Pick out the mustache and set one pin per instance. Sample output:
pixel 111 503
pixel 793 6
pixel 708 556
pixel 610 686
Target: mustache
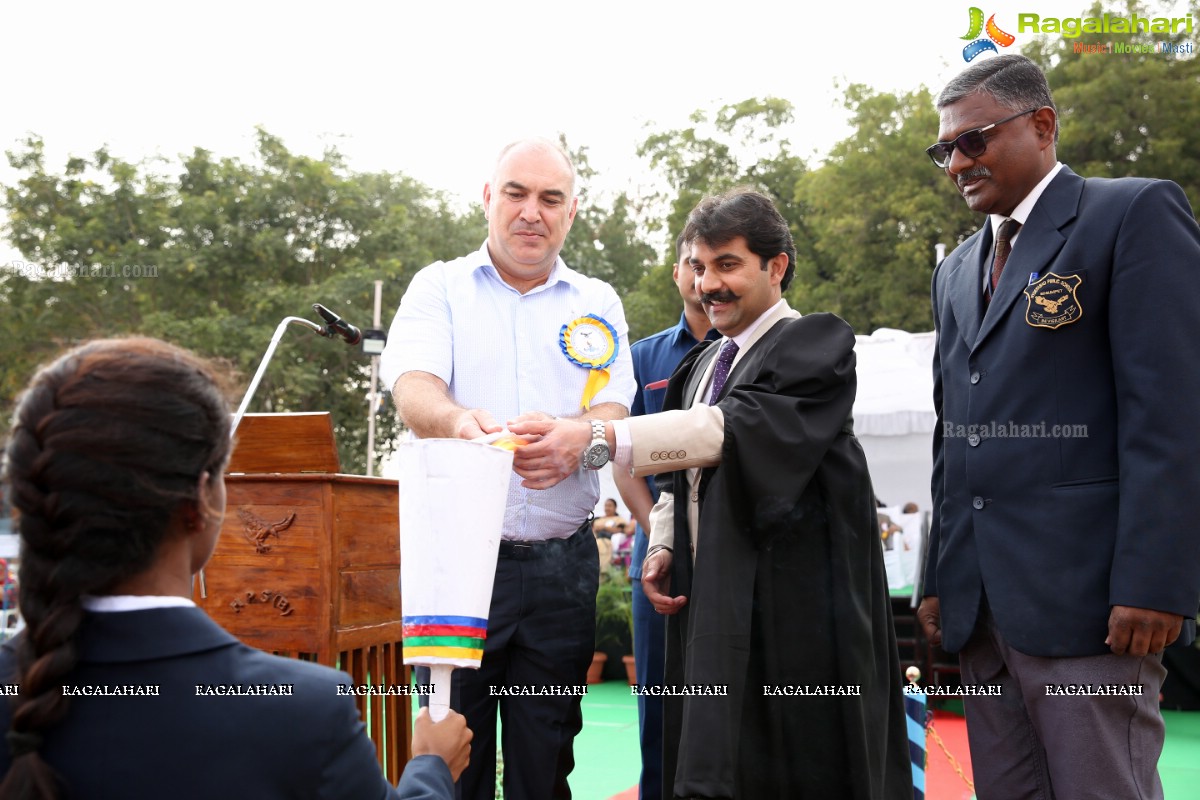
pixel 971 174
pixel 726 296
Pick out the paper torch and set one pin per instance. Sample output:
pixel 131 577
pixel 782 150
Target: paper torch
pixel 452 499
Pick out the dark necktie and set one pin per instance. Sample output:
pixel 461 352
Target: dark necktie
pixel 1004 236
pixel 724 362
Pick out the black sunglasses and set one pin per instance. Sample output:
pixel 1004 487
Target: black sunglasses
pixel 971 144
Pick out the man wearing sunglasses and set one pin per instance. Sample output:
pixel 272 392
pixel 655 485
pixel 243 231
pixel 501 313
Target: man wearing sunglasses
pixel 1062 555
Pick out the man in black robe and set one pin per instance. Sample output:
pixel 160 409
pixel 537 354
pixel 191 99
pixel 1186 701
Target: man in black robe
pixel 765 548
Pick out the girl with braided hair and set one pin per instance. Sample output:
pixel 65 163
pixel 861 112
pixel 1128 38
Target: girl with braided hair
pixel 115 465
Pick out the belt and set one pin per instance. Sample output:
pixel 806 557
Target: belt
pixel 545 548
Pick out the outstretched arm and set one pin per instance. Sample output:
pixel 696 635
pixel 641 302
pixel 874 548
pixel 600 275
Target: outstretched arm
pixel 425 405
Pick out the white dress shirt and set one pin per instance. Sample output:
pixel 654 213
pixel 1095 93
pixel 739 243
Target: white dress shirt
pixel 499 350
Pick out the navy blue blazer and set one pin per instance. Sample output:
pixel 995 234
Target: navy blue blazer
pixel 1067 455
pixel 188 741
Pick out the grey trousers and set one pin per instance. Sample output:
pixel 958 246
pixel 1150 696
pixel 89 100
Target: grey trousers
pixel 1063 728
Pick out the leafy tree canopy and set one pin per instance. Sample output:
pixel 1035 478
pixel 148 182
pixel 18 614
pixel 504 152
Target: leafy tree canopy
pixel 214 257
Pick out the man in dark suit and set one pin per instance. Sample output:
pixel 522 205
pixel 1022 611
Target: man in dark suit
pixel 1062 556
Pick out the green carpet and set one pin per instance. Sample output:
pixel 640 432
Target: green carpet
pixel 607 758
pixel 1180 762
pixel 607 761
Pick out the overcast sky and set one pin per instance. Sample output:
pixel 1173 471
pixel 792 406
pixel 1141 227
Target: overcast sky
pixel 433 90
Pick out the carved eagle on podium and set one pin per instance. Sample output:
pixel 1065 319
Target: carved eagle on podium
pixel 257 530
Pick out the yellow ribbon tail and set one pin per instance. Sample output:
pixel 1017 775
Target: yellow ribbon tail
pixel 597 380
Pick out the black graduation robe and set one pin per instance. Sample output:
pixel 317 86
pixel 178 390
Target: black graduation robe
pixel 788 589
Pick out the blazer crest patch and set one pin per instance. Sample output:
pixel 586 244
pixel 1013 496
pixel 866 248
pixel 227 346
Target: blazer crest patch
pixel 1053 302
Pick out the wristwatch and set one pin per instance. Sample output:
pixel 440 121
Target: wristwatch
pixel 596 454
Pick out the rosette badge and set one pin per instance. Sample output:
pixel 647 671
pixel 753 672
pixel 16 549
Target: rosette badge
pixel 590 342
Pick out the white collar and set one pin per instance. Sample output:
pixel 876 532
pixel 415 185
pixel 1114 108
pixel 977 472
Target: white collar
pixel 134 602
pixel 1023 209
pixel 743 337
pixel 559 272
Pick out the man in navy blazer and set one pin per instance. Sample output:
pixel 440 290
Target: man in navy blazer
pixel 188 711
pixel 1063 556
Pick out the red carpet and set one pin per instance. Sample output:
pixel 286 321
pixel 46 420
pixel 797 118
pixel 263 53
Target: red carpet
pixel 942 779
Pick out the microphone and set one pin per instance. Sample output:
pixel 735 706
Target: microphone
pixel 336 326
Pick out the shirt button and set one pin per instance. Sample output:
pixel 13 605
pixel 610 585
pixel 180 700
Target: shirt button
pixel 973 440
pixel 977 503
pixel 695 497
pixel 974 377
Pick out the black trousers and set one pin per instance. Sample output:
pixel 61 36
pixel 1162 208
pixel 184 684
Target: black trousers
pixel 541 636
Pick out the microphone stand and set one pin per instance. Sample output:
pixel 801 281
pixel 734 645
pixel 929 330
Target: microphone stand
pixel 327 331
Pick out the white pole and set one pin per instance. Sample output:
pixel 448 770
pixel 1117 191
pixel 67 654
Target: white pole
pixel 439 700
pixel 371 400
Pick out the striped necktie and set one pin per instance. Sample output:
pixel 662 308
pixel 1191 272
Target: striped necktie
pixel 1004 236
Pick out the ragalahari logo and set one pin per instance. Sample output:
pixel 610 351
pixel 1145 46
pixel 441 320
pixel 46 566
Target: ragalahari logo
pixel 995 36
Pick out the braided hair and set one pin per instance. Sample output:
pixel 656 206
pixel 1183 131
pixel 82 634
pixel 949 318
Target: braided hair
pixel 107 449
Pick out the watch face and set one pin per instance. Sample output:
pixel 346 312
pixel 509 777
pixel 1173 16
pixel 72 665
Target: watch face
pixel 597 456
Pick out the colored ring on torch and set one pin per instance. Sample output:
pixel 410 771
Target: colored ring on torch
pixel 470 642
pixel 445 619
pixel 443 652
pixel 445 630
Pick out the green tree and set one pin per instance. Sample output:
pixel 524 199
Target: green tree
pixel 865 222
pixel 214 257
pixel 877 208
pixel 1125 114
pixel 606 240
pixel 654 303
pixel 740 144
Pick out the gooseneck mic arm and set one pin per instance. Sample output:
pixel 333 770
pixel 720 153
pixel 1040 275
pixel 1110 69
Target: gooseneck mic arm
pixel 262 367
pixel 334 326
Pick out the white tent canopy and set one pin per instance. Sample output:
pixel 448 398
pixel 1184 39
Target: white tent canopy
pixel 893 413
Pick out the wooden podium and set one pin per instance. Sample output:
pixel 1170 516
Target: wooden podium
pixel 308 566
